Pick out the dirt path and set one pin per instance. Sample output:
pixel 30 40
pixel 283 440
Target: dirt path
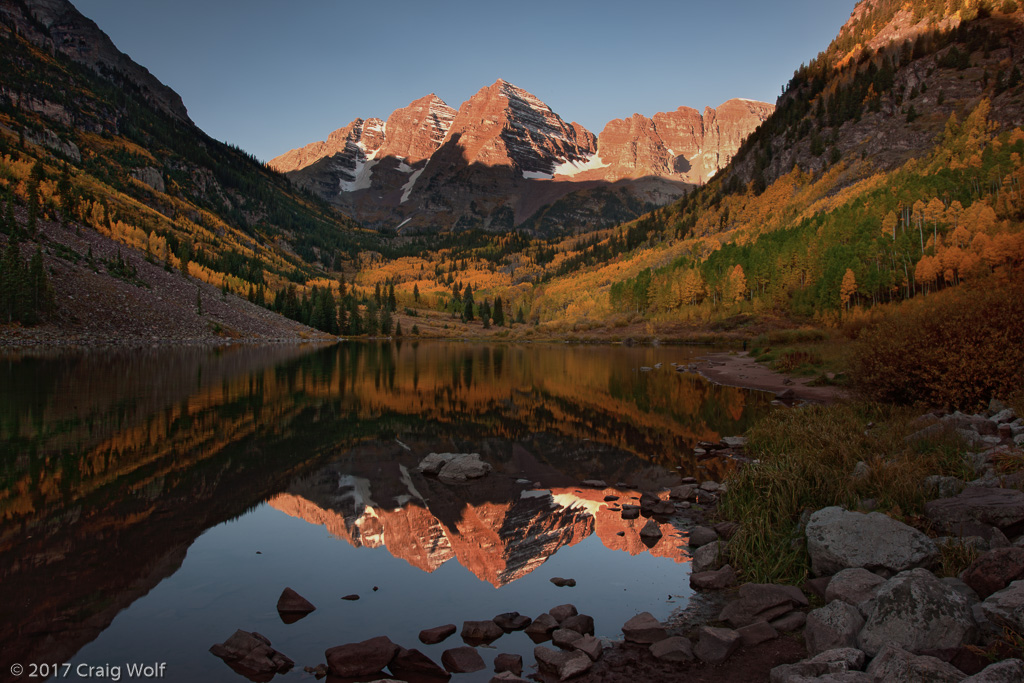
pixel 740 370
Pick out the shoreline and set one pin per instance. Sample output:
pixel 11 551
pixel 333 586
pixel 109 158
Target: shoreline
pixel 740 370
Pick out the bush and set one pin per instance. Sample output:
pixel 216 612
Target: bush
pixel 957 349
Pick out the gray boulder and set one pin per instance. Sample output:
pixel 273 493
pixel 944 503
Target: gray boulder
pixel 709 557
pixel 1006 671
pixel 761 602
pixel 715 645
pixel 849 658
pixel 563 664
pixel 563 612
pixel 836 541
pixel 462 468
pixel 853 586
pixel 1005 608
pixel 701 535
pixel 462 660
pixel 1002 508
pixel 590 646
pixel 757 633
pixel 916 611
pixel 835 625
pixel 674 649
pixel 481 631
pixel 644 628
pixel 433 463
pixel 714 580
pixel 895 664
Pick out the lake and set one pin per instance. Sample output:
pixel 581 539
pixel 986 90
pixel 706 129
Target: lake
pixel 154 501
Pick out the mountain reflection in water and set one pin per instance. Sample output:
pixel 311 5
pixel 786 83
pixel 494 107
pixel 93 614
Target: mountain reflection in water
pixel 113 463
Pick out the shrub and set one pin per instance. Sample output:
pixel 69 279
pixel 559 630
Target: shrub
pixel 956 349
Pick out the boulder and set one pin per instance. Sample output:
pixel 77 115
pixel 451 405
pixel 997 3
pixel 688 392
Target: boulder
pixel 709 557
pixel 715 645
pixel 507 677
pixel 462 660
pixel 835 541
pixel 251 655
pixel 701 535
pixel 835 625
pixel 512 621
pixel 761 602
pixel 1005 608
pixel 1006 671
pixel 896 664
pixel 508 662
pixel 674 649
pixel 562 583
pixel 292 606
pixel 651 531
pixel 630 512
pixel 853 586
pixel 463 467
pixel 413 663
pixel 433 463
pixel 942 487
pixel 432 636
pixel 563 664
pixel 644 628
pixel 734 441
pixel 757 633
pixel 683 492
pixel 481 631
pixel 789 622
pixel 361 659
pixel 849 658
pixel 563 612
pixel 541 627
pixel 915 611
pixel 714 580
pixel 726 529
pixel 590 646
pixel 1003 508
pixel 995 570
pixel 564 638
pixel 581 623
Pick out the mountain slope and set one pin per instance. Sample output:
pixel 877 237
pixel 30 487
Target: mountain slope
pixel 505 160
pixel 91 138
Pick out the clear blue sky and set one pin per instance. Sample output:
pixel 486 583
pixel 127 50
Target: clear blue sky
pixel 270 75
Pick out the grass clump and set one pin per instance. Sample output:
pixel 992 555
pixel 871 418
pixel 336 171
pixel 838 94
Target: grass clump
pixel 956 556
pixel 806 462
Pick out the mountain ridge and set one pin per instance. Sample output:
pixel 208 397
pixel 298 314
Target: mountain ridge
pixel 508 138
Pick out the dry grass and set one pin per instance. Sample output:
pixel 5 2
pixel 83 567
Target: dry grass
pixel 807 458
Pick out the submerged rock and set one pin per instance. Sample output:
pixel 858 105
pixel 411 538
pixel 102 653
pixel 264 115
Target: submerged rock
pixel 251 655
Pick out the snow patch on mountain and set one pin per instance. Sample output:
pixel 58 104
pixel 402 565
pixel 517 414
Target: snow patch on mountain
pixel 574 167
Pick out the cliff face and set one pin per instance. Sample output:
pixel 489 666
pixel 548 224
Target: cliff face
pixel 505 155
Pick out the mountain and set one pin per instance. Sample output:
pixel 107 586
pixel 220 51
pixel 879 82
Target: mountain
pixel 505 155
pixel 91 140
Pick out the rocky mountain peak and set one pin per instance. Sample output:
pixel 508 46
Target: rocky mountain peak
pixel 416 131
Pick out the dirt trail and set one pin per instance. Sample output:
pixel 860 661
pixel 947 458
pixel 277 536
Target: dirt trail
pixel 741 370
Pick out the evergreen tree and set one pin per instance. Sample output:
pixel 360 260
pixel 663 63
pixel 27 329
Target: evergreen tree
pixel 354 322
pixel 398 328
pixel 385 320
pixel 371 323
pixel 32 191
pixel 199 301
pixel 67 199
pixel 343 315
pixel 291 307
pixel 485 314
pixel 392 301
pixel 416 292
pixel 499 312
pixel 520 318
pixel 376 295
pixel 185 255
pixel 467 302
pixel 40 288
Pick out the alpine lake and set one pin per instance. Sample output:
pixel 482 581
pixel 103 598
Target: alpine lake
pixel 155 501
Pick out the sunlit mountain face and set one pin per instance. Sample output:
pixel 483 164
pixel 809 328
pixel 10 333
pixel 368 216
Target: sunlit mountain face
pixel 131 480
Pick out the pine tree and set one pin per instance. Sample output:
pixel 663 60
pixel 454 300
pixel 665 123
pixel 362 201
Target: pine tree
pixel 499 312
pixel 32 191
pixel 199 301
pixel 385 320
pixel 467 302
pixel 398 328
pixel 392 301
pixel 67 200
pixel 520 318
pixel 354 324
pixel 40 288
pixel 485 314
pixel 416 292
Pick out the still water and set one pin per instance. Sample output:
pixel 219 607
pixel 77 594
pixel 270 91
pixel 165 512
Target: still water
pixel 153 502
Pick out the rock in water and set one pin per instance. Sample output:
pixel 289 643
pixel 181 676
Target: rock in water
pixel 462 660
pixel 432 636
pixel 251 655
pixel 644 629
pixel 291 606
pixel 361 659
